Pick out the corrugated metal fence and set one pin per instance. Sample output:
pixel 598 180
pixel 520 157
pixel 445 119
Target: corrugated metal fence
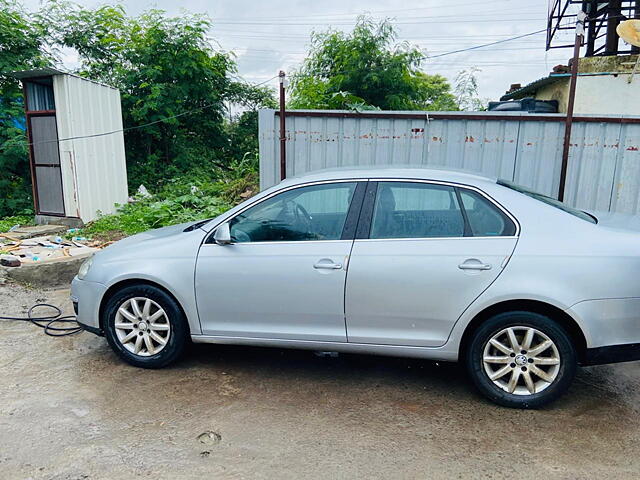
pixel 604 159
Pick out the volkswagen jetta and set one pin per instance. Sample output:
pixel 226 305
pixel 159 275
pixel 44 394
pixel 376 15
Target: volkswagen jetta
pixel 407 262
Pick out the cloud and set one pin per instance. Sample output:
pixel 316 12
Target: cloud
pixel 274 35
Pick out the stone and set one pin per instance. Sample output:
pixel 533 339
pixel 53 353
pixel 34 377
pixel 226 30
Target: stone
pixel 53 273
pixel 9 261
pixel 22 233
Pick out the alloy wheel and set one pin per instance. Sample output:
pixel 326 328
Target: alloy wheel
pixel 142 326
pixel 521 360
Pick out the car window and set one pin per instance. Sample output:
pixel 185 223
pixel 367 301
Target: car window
pixel 549 201
pixel 416 210
pixel 485 219
pixel 316 212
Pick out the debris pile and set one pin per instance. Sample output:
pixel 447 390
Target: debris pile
pixel 16 251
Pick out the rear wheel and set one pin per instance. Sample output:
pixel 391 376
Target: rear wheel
pixel 521 359
pixel 145 326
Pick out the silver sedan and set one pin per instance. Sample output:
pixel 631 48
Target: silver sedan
pixel 407 262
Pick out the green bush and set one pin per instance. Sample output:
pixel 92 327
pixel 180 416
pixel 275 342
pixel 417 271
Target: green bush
pixel 194 196
pixel 7 222
pixel 197 195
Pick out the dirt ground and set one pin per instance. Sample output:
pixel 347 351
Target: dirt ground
pixel 69 409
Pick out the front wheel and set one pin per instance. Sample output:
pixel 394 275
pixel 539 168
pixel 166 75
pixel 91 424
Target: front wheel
pixel 521 359
pixel 145 326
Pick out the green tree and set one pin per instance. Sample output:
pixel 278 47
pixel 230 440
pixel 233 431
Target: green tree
pixel 242 131
pixel 163 66
pixel 366 69
pixel 20 48
pixel 466 90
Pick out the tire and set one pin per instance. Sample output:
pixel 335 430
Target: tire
pixel 557 362
pixel 158 318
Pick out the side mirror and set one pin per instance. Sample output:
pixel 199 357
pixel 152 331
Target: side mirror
pixel 222 235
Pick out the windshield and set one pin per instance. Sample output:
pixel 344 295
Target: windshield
pixel 549 201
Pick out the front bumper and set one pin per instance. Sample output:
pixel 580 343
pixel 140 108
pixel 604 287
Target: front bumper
pixel 94 330
pixel 86 297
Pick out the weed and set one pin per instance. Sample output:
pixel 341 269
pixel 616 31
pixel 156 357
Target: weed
pixel 7 222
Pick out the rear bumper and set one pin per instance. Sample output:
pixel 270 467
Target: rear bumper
pixel 612 354
pixel 608 323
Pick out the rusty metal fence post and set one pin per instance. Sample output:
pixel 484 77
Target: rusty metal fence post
pixel 570 104
pixel 283 131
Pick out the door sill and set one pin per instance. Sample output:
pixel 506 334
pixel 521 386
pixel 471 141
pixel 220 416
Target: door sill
pixel 433 353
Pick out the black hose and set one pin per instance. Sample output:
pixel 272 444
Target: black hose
pixel 47 322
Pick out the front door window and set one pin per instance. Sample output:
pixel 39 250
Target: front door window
pixel 315 212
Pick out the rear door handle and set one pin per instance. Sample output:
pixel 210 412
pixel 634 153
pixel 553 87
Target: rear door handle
pixel 474 264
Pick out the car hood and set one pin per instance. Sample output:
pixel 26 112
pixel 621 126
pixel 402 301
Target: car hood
pixel 156 234
pixel 146 241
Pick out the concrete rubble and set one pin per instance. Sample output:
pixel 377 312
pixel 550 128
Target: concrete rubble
pixel 42 249
pixel 45 255
pixel 30 231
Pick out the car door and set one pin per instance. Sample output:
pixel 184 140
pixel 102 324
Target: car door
pixel 283 276
pixel 424 251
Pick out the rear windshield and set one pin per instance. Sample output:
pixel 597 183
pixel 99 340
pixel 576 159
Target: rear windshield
pixel 549 201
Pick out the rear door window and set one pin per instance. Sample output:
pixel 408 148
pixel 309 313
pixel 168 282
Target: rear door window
pixel 416 210
pixel 485 219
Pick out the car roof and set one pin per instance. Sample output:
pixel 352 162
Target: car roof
pixel 419 173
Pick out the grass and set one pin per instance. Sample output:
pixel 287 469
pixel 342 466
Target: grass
pixel 191 197
pixel 7 222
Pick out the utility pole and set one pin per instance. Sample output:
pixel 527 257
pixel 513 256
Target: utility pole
pixel 570 104
pixel 283 130
pixel 636 14
pixel 614 15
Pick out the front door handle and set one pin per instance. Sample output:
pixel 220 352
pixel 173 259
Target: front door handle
pixel 474 264
pixel 327 265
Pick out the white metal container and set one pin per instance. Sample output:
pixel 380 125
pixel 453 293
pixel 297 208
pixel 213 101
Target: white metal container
pixel 76 144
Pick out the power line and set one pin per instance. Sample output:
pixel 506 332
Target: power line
pixel 286 20
pixel 413 41
pixel 239 77
pixel 265 53
pixel 475 47
pixel 293 75
pixel 135 127
pixel 518 12
pixel 121 130
pixel 230 31
pixel 466 4
pixel 435 20
pixel 486 44
pixel 301 75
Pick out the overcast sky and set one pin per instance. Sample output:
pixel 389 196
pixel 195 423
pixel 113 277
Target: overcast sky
pixel 270 35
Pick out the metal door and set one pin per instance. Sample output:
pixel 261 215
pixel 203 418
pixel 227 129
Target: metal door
pixel 45 158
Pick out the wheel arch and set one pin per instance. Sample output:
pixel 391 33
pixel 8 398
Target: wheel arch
pixel 116 287
pixel 534 306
